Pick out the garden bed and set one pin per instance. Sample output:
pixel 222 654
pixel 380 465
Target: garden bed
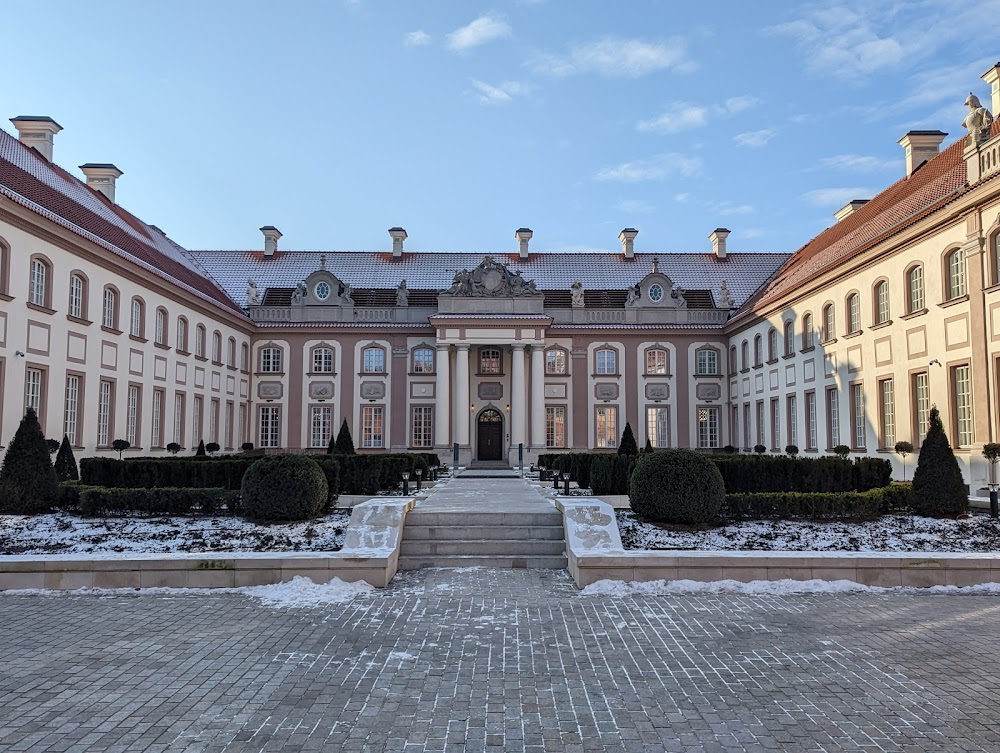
pixel 62 533
pixel 890 533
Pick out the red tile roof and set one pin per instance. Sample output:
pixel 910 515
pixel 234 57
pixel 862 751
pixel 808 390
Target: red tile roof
pixel 30 180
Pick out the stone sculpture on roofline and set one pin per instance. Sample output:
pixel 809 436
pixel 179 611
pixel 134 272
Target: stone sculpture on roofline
pixel 725 297
pixel 576 289
pixel 977 121
pixel 301 291
pixel 491 279
pixel 253 295
pixel 402 294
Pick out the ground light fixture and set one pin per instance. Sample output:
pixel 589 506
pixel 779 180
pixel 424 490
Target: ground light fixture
pixel 420 474
pixel 555 480
pixel 406 483
pixel 566 477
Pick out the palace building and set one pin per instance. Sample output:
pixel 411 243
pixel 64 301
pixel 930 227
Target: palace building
pixel 110 330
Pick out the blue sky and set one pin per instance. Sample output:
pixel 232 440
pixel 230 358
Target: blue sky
pixel 463 121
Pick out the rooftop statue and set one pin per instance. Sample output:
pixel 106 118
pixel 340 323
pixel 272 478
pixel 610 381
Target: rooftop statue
pixel 253 296
pixel 977 121
pixel 301 291
pixel 634 293
pixel 491 279
pixel 577 291
pixel 725 297
pixel 402 294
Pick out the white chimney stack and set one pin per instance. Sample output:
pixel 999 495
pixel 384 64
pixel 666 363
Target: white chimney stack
pixel 627 237
pixel 398 235
pixel 37 131
pixel 271 236
pixel 992 78
pixel 523 235
pixel 920 146
pixel 718 238
pixel 849 208
pixel 101 177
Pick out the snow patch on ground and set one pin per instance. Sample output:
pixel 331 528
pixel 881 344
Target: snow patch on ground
pixel 891 533
pixel 784 587
pixel 62 533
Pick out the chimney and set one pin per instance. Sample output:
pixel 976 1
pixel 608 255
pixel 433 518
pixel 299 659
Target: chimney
pixel 920 146
pixel 101 177
pixel 849 208
pixel 992 77
pixel 718 238
pixel 271 235
pixel 627 237
pixel 37 131
pixel 398 235
pixel 523 235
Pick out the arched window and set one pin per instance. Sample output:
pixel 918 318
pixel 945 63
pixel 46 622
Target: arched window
pixel 322 360
pixel 38 283
pixel 231 353
pixel 199 341
pixel 217 347
pixel 707 362
pixel 182 334
pixel 656 361
pixel 882 302
pixel 555 361
pixel 78 295
pixel 244 357
pixel 160 327
pixel 829 322
pixel 915 289
pixel 772 344
pixel 733 367
pixel 137 321
pixel 853 313
pixel 270 360
pixel 607 361
pixel 373 360
pixel 745 354
pixel 4 267
pixel 490 361
pixel 758 350
pixel 993 248
pixel 789 337
pixel 954 266
pixel 109 311
pixel 808 335
pixel 423 360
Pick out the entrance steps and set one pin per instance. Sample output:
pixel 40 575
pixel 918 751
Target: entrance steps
pixel 522 539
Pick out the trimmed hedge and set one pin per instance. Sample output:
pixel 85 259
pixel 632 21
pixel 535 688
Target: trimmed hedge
pixel 609 474
pixel 284 487
pixel 370 474
pixel 677 486
pixel 225 473
pixel 848 505
pixel 98 500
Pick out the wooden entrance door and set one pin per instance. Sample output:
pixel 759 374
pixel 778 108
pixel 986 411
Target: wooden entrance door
pixel 489 431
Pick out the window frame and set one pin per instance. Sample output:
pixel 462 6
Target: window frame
pixel 4 268
pixel 910 274
pixel 608 438
pixel 881 314
pixel 40 295
pixel 422 426
pixel 789 335
pixel 80 313
pixel 964 437
pixel 216 350
pixel 181 334
pixel 369 440
pixel 772 345
pixel 322 438
pixel 110 322
pixel 601 365
pixel 137 318
pixel 654 423
pixel 488 364
pixel 887 413
pixel 200 337
pixel 956 285
pixel 852 308
pixel 380 361
pixel 418 364
pixel 555 356
pixel 758 351
pixel 709 427
pixel 697 361
pixel 271 359
pixel 656 351
pixel 920 404
pixel 829 312
pixel 808 332
pixel 555 426
pixel 161 327
pixel 318 356
pixel 273 425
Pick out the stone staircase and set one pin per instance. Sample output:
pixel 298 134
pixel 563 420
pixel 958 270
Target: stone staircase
pixel 522 539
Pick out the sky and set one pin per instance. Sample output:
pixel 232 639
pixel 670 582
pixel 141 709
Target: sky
pixel 463 121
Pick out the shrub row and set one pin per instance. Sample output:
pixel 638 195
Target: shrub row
pixel 846 505
pixel 165 472
pixel 609 474
pixel 99 500
pixel 370 474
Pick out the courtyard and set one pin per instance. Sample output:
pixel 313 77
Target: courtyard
pixel 500 660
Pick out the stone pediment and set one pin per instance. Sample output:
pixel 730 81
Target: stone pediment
pixel 656 291
pixel 322 288
pixel 491 279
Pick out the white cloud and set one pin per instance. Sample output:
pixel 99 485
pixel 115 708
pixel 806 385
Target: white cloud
pixel 751 232
pixel 754 139
pixel 500 94
pixel 683 115
pixel 484 29
pixel 860 163
pixel 614 57
pixel 657 168
pixel 729 209
pixel 681 198
pixel 416 38
pixel 835 197
pixel 634 206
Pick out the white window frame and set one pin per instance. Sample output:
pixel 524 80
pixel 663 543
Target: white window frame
pixel 270 427
pixel 921 405
pixel 915 285
pixel 132 414
pixel 833 416
pixel 373 360
pixel 160 327
pixel 555 426
pixel 320 425
pixel 812 437
pixel 860 417
pixel 606 426
pixel 72 412
pixel 882 302
pixel 555 361
pixel 853 313
pixel 109 308
pixel 104 398
pixel 270 360
pixel 708 427
pixel 887 402
pixel 77 286
pixel 422 425
pixel 37 283
pixel 606 361
pixel 322 360
pixel 657 360
pixel 372 426
pixel 156 420
pixel 135 319
pixel 422 361
pixel 658 426
pixel 705 358
pixel 33 381
pixel 955 265
pixel 962 386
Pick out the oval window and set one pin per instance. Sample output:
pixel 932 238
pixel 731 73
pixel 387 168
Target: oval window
pixel 656 293
pixel 323 291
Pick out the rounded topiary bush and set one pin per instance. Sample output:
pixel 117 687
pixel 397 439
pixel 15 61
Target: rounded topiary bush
pixel 283 487
pixel 677 486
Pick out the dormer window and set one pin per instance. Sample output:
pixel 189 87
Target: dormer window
pixel 656 293
pixel 322 291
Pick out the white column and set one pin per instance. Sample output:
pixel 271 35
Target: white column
pixel 462 395
pixel 517 396
pixel 537 396
pixel 442 396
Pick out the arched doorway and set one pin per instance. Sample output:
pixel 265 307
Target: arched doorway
pixel 489 435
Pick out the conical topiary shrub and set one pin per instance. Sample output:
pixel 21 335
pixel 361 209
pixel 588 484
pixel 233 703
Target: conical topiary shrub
pixel 65 465
pixel 938 486
pixel 628 446
pixel 27 479
pixel 200 452
pixel 344 443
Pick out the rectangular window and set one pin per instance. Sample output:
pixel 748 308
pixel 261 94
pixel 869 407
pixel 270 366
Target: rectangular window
pixel 888 414
pixel 76 296
pixel 490 361
pixel 108 313
pixel 72 407
pixel 793 420
pixel 746 425
pixel 956 275
pixel 734 427
pixel 178 418
pixel 708 362
pixel 136 323
pixel 322 362
pixel 607 362
pixel 423 426
pixel 833 416
pixel 196 435
pixel 320 422
pixel 104 397
pixel 36 290
pixel 423 361
pixel 555 362
pixel 243 423
pixel 270 426
pixel 811 439
pixel 775 424
pixel 132 414
pixel 555 426
pixel 229 424
pixel 916 289
pixel 760 424
pixel 160 335
pixel 708 428
pixel 372 417
pixel 607 425
pixel 859 433
pixel 213 420
pixel 270 360
pixel 33 389
pixel 963 405
pixel 156 421
pixel 373 361
pixel 658 426
pixel 656 361
pixel 921 405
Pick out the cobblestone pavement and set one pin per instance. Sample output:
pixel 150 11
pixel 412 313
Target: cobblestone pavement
pixel 490 660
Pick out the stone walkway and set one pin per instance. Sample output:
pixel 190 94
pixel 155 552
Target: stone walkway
pixel 493 660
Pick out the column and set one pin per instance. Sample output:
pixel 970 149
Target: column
pixel 538 396
pixel 462 395
pixel 442 394
pixel 517 397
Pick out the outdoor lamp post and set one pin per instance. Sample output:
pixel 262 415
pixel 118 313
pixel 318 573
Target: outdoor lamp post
pixel 420 473
pixel 541 472
pixel 555 480
pixel 406 483
pixel 566 481
pixel 994 501
pixel 991 451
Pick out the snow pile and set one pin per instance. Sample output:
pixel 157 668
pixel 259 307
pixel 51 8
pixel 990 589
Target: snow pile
pixel 301 592
pixel 784 587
